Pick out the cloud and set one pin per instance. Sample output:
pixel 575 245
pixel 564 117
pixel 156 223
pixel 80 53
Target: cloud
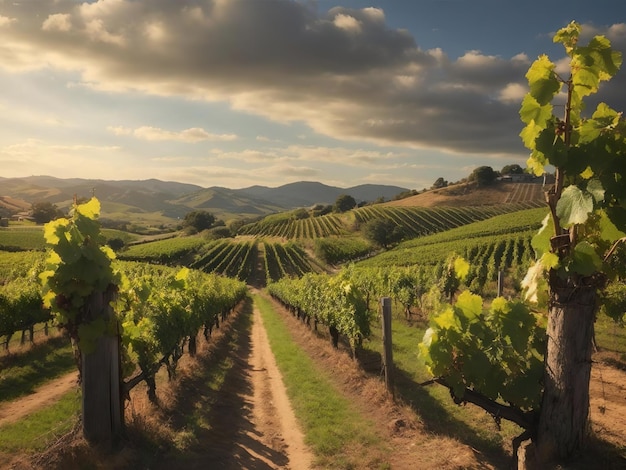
pixel 44 157
pixel 338 156
pixel 192 135
pixel 58 22
pixel 344 72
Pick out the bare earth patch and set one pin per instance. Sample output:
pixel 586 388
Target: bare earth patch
pixel 47 394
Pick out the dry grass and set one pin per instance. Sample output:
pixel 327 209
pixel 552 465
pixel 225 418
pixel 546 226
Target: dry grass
pixel 468 194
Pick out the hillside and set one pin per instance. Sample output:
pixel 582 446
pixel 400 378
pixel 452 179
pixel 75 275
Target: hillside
pixel 461 195
pixel 158 202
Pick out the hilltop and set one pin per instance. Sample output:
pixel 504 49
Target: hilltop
pixel 468 194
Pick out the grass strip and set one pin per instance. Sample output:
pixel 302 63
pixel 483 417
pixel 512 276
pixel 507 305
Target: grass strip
pixel 21 374
pixel 37 430
pixel 332 425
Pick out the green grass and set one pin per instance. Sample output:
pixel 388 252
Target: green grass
pixel 21 373
pixel 36 431
pixel 331 423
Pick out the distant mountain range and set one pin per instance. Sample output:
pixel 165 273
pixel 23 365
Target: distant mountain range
pixel 173 200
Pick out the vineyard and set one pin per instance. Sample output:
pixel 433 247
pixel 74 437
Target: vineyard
pixel 172 289
pixel 312 227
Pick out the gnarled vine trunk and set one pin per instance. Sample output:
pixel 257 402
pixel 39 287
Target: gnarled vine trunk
pixel 103 413
pixel 564 417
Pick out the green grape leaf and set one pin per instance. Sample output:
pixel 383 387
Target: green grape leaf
pixel 594 187
pixel 608 230
pixel 535 115
pixel 585 259
pixel 574 206
pixel 543 82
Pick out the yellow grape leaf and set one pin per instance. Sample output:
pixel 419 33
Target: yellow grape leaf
pixel 446 319
pixel 183 274
pixel 461 268
pixel 90 209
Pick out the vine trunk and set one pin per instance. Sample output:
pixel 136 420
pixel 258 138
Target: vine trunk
pixel 564 417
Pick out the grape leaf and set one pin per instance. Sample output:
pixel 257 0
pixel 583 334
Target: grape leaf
pixel 574 206
pixel 585 259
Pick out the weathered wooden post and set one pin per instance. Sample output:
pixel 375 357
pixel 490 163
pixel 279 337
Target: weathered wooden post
pixel 385 303
pixel 500 282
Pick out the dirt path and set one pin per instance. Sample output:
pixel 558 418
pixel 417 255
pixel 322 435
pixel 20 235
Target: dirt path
pixel 273 416
pixel 47 394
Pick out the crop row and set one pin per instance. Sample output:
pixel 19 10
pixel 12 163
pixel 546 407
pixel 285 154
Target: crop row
pixel 229 258
pixel 169 251
pixel 284 260
pixel 420 221
pixel 162 309
pixel 312 227
pixel 329 300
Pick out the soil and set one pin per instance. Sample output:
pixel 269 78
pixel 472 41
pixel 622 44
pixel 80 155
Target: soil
pixel 248 422
pixel 47 394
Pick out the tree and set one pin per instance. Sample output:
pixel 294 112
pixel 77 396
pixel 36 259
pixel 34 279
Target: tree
pixel 44 212
pixel 382 232
pixel 440 183
pixel 300 214
pixel 587 222
pixel 344 203
pixel 513 169
pixel 483 175
pixel 198 220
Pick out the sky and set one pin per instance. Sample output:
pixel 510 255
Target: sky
pixel 235 93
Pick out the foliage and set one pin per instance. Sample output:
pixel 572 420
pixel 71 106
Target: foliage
pixel 498 351
pixel 589 154
pixel 382 232
pixel 77 267
pixel 440 183
pixel 198 220
pixel 331 300
pixel 483 176
pixel 344 203
pixel 513 169
pixel 335 250
pixel 45 211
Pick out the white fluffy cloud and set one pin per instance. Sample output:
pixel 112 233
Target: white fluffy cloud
pixel 192 135
pixel 345 73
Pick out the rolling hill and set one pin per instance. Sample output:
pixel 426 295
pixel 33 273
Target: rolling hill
pixel 160 202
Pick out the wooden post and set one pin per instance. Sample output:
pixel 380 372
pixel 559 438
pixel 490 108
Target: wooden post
pixel 385 303
pixel 500 282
